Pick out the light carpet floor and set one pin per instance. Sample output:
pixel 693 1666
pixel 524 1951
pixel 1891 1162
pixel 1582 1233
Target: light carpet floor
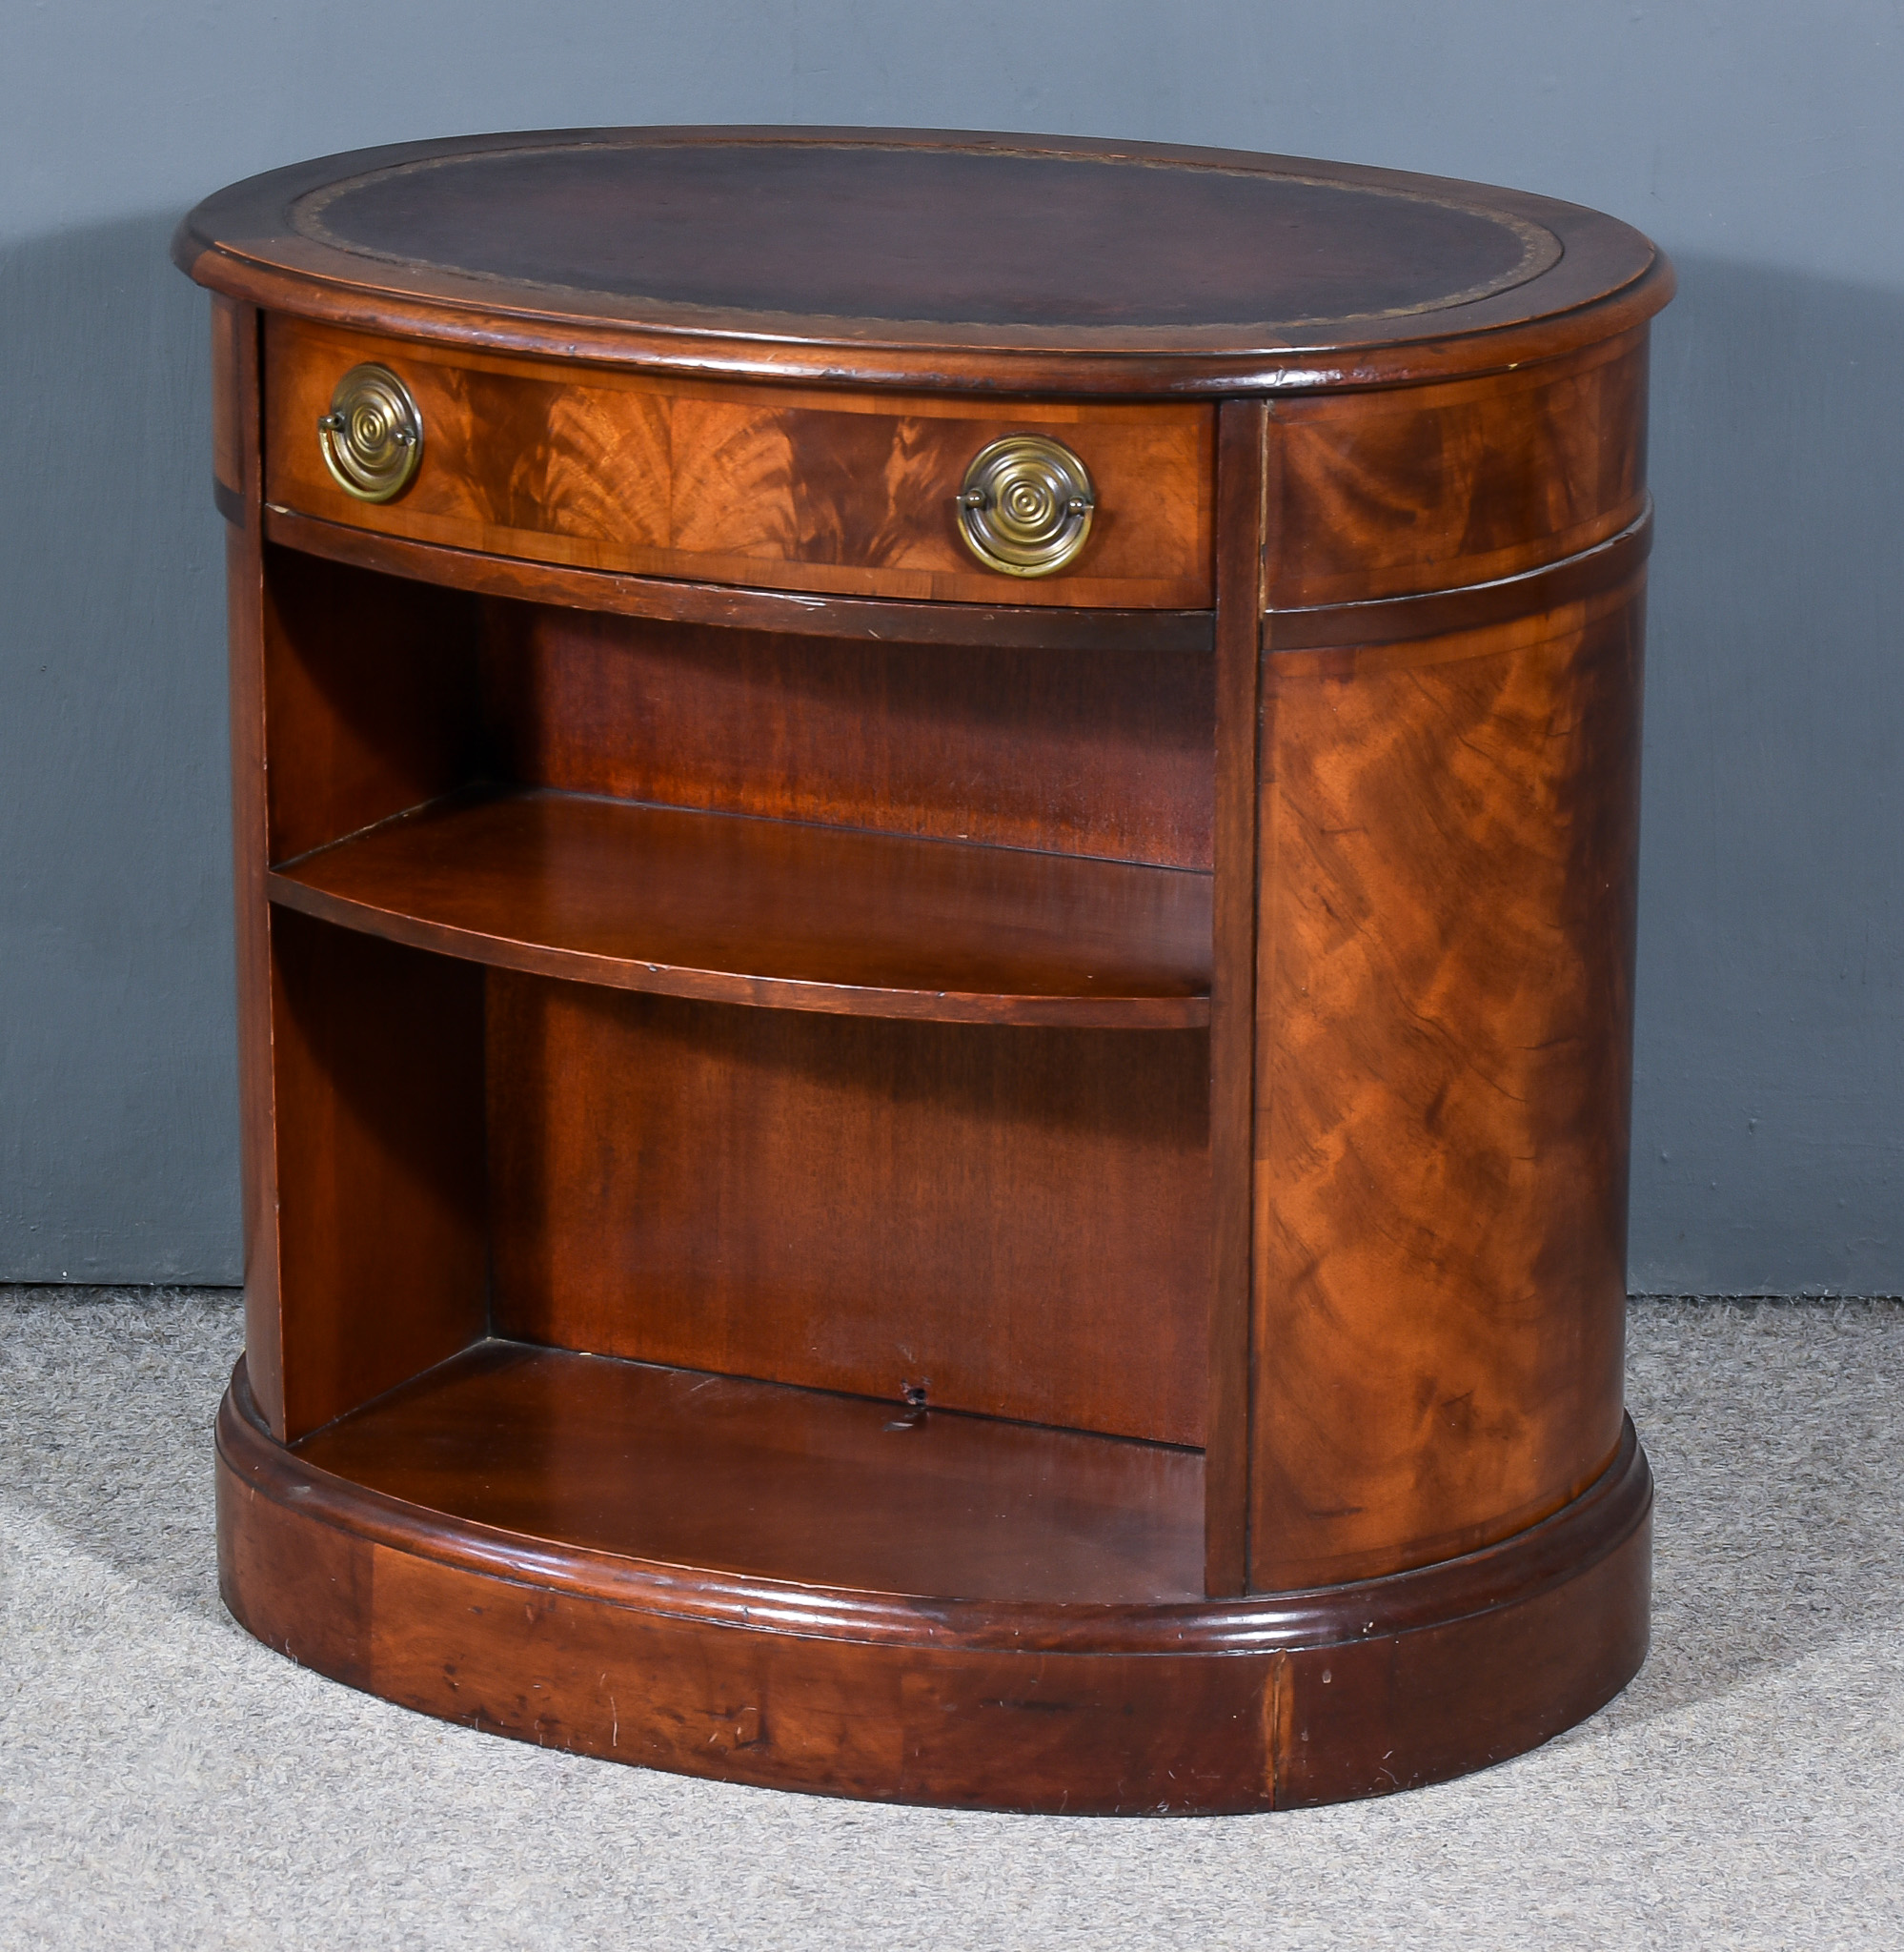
pixel 167 1783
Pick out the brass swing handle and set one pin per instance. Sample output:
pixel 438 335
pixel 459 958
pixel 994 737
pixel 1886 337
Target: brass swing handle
pixel 371 439
pixel 1025 506
pixel 980 498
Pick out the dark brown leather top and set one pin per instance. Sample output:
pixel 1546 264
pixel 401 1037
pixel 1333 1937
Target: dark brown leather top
pixel 1191 260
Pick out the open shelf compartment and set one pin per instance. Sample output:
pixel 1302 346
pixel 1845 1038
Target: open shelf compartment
pixel 765 1011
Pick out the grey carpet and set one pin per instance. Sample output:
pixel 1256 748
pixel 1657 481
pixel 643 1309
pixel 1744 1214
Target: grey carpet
pixel 164 1782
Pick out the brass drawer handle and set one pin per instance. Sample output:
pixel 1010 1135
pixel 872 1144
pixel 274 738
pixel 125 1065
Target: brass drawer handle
pixel 372 437
pixel 1027 504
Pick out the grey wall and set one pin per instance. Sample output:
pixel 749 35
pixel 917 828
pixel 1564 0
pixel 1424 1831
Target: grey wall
pixel 1761 143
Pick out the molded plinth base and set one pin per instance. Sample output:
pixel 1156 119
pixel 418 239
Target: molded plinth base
pixel 1182 1707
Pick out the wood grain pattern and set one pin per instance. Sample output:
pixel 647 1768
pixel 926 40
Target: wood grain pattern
pixel 1099 750
pixel 377 1056
pixel 768 912
pixel 755 1479
pixel 1192 1707
pixel 1013 1220
pixel 1445 1002
pixel 802 490
pixel 1384 494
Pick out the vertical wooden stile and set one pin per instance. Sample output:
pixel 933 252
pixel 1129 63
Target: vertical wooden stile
pixel 1242 503
pixel 237 474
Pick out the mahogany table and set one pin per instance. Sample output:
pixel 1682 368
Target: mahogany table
pixel 936 852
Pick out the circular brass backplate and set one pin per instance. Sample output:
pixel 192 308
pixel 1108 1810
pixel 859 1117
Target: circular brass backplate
pixel 372 437
pixel 1025 508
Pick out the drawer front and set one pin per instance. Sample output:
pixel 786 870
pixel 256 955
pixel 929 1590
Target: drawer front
pixel 770 486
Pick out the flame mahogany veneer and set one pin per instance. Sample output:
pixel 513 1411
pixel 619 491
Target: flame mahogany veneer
pixel 869 1176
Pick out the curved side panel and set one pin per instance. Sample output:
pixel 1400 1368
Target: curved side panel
pixel 1444 1036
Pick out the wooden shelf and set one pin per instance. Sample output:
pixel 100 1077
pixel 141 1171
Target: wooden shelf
pixel 757 1478
pixel 736 910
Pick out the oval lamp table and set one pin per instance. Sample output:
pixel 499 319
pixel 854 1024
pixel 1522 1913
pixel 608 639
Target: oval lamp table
pixel 936 847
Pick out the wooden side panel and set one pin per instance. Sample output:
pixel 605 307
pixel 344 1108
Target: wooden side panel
pixel 377 1060
pixel 234 380
pixel 777 486
pixel 1443 1054
pixel 374 704
pixel 1015 1220
pixel 1384 494
pixel 1086 751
